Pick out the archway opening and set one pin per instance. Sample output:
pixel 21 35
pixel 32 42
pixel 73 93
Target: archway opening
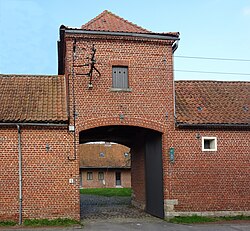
pixel 146 162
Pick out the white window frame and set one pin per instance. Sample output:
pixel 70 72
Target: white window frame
pixel 209 138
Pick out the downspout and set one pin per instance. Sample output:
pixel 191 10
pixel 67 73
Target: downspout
pixel 20 173
pixel 174 48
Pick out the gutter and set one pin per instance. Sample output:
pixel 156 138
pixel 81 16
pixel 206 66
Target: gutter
pixel 34 124
pixel 175 46
pixel 20 172
pixel 212 125
pixel 139 35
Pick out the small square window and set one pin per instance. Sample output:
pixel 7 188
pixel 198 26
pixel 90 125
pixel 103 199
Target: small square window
pixel 126 154
pixel 209 144
pixel 100 176
pixel 120 77
pixel 89 175
pixel 101 154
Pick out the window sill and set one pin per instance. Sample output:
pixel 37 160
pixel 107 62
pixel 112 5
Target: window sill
pixel 209 150
pixel 121 89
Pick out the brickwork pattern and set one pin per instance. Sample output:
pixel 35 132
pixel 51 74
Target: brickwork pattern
pixel 150 102
pixel 47 192
pixel 211 180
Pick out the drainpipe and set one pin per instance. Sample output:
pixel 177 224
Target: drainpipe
pixel 175 46
pixel 20 173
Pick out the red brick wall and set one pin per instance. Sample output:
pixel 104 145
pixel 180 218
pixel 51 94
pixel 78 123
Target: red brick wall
pixel 148 105
pixel 149 78
pixel 195 175
pixel 47 192
pixel 8 174
pixel 138 175
pixel 109 177
pixel 211 180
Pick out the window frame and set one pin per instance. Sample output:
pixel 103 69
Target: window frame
pixel 100 174
pixel 211 139
pixel 89 175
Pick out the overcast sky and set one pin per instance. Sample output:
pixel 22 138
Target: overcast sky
pixel 208 28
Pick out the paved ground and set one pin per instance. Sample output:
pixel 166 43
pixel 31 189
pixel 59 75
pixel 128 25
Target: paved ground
pixel 100 207
pixel 153 224
pixel 117 214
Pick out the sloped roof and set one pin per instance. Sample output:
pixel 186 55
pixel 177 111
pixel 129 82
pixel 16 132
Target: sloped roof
pixel 212 102
pixel 107 21
pixel 27 99
pixel 112 156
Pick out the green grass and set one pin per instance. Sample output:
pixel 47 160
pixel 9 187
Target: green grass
pixel 7 223
pixel 200 219
pixel 192 219
pixel 108 192
pixel 47 222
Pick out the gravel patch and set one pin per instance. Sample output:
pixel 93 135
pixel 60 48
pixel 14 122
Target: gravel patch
pixel 101 207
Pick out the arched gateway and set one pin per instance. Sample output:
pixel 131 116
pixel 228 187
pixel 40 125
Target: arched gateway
pixel 146 162
pixel 120 88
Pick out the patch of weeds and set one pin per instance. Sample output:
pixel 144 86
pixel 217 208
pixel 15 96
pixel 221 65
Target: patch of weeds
pixel 201 219
pixel 192 219
pixel 47 222
pixel 7 223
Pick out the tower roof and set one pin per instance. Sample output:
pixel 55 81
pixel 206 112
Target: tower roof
pixel 107 21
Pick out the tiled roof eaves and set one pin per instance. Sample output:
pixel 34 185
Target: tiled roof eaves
pixel 34 124
pixel 39 100
pixel 212 103
pixel 105 167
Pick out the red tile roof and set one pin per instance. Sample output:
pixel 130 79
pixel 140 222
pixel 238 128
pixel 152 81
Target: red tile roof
pixel 107 21
pixel 212 102
pixel 113 156
pixel 36 99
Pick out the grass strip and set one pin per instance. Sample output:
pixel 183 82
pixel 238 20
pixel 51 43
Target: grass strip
pixel 47 222
pixel 200 219
pixel 7 223
pixel 191 219
pixel 108 192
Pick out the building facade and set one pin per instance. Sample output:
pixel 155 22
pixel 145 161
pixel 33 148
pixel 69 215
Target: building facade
pixel 189 140
pixel 105 165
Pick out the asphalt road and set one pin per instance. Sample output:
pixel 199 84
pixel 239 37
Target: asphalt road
pixel 153 224
pixel 145 224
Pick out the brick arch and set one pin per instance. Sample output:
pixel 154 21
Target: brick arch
pixel 93 123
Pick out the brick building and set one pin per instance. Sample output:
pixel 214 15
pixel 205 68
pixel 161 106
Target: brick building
pixel 189 140
pixel 104 165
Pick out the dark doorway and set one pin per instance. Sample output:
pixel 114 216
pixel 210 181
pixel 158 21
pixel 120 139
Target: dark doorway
pixel 145 144
pixel 118 179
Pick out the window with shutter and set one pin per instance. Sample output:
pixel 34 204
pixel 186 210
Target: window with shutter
pixel 120 77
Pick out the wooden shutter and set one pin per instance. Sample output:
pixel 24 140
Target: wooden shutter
pixel 120 77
